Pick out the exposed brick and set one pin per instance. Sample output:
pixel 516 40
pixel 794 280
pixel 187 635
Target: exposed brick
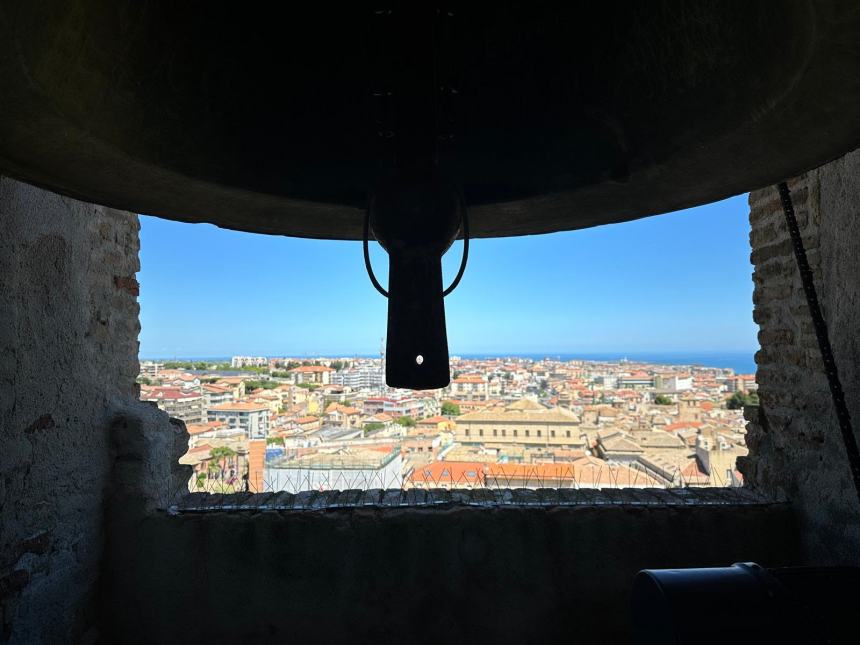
pixel 765 253
pixel 44 422
pixel 38 544
pixel 127 283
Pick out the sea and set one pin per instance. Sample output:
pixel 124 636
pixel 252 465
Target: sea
pixel 742 362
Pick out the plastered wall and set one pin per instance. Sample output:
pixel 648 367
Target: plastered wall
pixel 68 360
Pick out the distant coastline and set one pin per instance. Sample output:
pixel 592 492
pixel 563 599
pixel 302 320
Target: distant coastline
pixel 742 362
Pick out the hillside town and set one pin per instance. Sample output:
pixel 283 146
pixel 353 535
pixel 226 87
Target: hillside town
pixel 284 424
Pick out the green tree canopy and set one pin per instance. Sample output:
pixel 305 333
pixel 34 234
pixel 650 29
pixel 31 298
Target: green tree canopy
pixel 266 385
pixel 740 399
pixel 221 452
pixel 662 399
pixel 406 422
pixel 450 409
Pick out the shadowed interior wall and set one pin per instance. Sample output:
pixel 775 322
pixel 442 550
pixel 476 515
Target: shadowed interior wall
pixel 419 575
pixel 794 438
pixel 68 360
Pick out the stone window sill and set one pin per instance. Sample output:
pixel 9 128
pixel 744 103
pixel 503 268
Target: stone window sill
pixel 482 498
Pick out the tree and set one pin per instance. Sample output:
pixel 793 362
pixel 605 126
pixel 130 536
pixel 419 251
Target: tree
pixel 255 385
pixel 738 400
pixel 662 399
pixel 406 422
pixel 219 455
pixel 337 365
pixel 450 409
pixel 372 427
pixel 221 452
pixel 143 380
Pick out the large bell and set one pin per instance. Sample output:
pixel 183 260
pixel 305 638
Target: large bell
pixel 543 117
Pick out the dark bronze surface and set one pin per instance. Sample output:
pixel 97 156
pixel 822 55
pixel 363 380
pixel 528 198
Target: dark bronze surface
pixel 416 218
pixel 565 115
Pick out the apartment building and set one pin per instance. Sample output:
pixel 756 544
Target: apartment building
pixel 216 394
pixel 185 405
pixel 317 374
pixel 252 418
pixel 360 377
pixel 151 369
pixel 249 361
pixel 470 387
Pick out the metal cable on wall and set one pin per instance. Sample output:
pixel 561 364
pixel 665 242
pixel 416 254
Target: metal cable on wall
pixel 821 334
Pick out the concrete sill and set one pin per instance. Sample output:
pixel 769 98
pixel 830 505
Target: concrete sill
pixel 483 498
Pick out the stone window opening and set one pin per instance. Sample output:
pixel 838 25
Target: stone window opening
pixel 239 466
pixel 148 496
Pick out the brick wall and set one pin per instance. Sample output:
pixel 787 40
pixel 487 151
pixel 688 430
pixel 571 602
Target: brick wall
pixel 795 444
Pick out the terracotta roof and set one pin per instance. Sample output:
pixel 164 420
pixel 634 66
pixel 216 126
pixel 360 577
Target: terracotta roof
pixel 525 405
pixel 693 473
pixel 620 443
pixel 160 393
pixel 469 379
pixel 555 416
pixel 200 428
pixel 681 425
pixel 450 472
pixel 659 440
pixel 434 420
pixel 308 369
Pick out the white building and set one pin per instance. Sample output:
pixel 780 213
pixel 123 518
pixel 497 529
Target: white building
pixel 471 387
pixel 150 369
pixel 360 377
pixel 404 407
pixel 678 383
pixel 318 374
pixel 249 361
pixel 252 418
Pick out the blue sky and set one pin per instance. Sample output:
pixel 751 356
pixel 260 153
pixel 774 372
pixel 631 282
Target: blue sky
pixel 673 283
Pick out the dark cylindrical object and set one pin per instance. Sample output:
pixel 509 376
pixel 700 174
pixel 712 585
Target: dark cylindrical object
pixel 415 216
pixel 745 603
